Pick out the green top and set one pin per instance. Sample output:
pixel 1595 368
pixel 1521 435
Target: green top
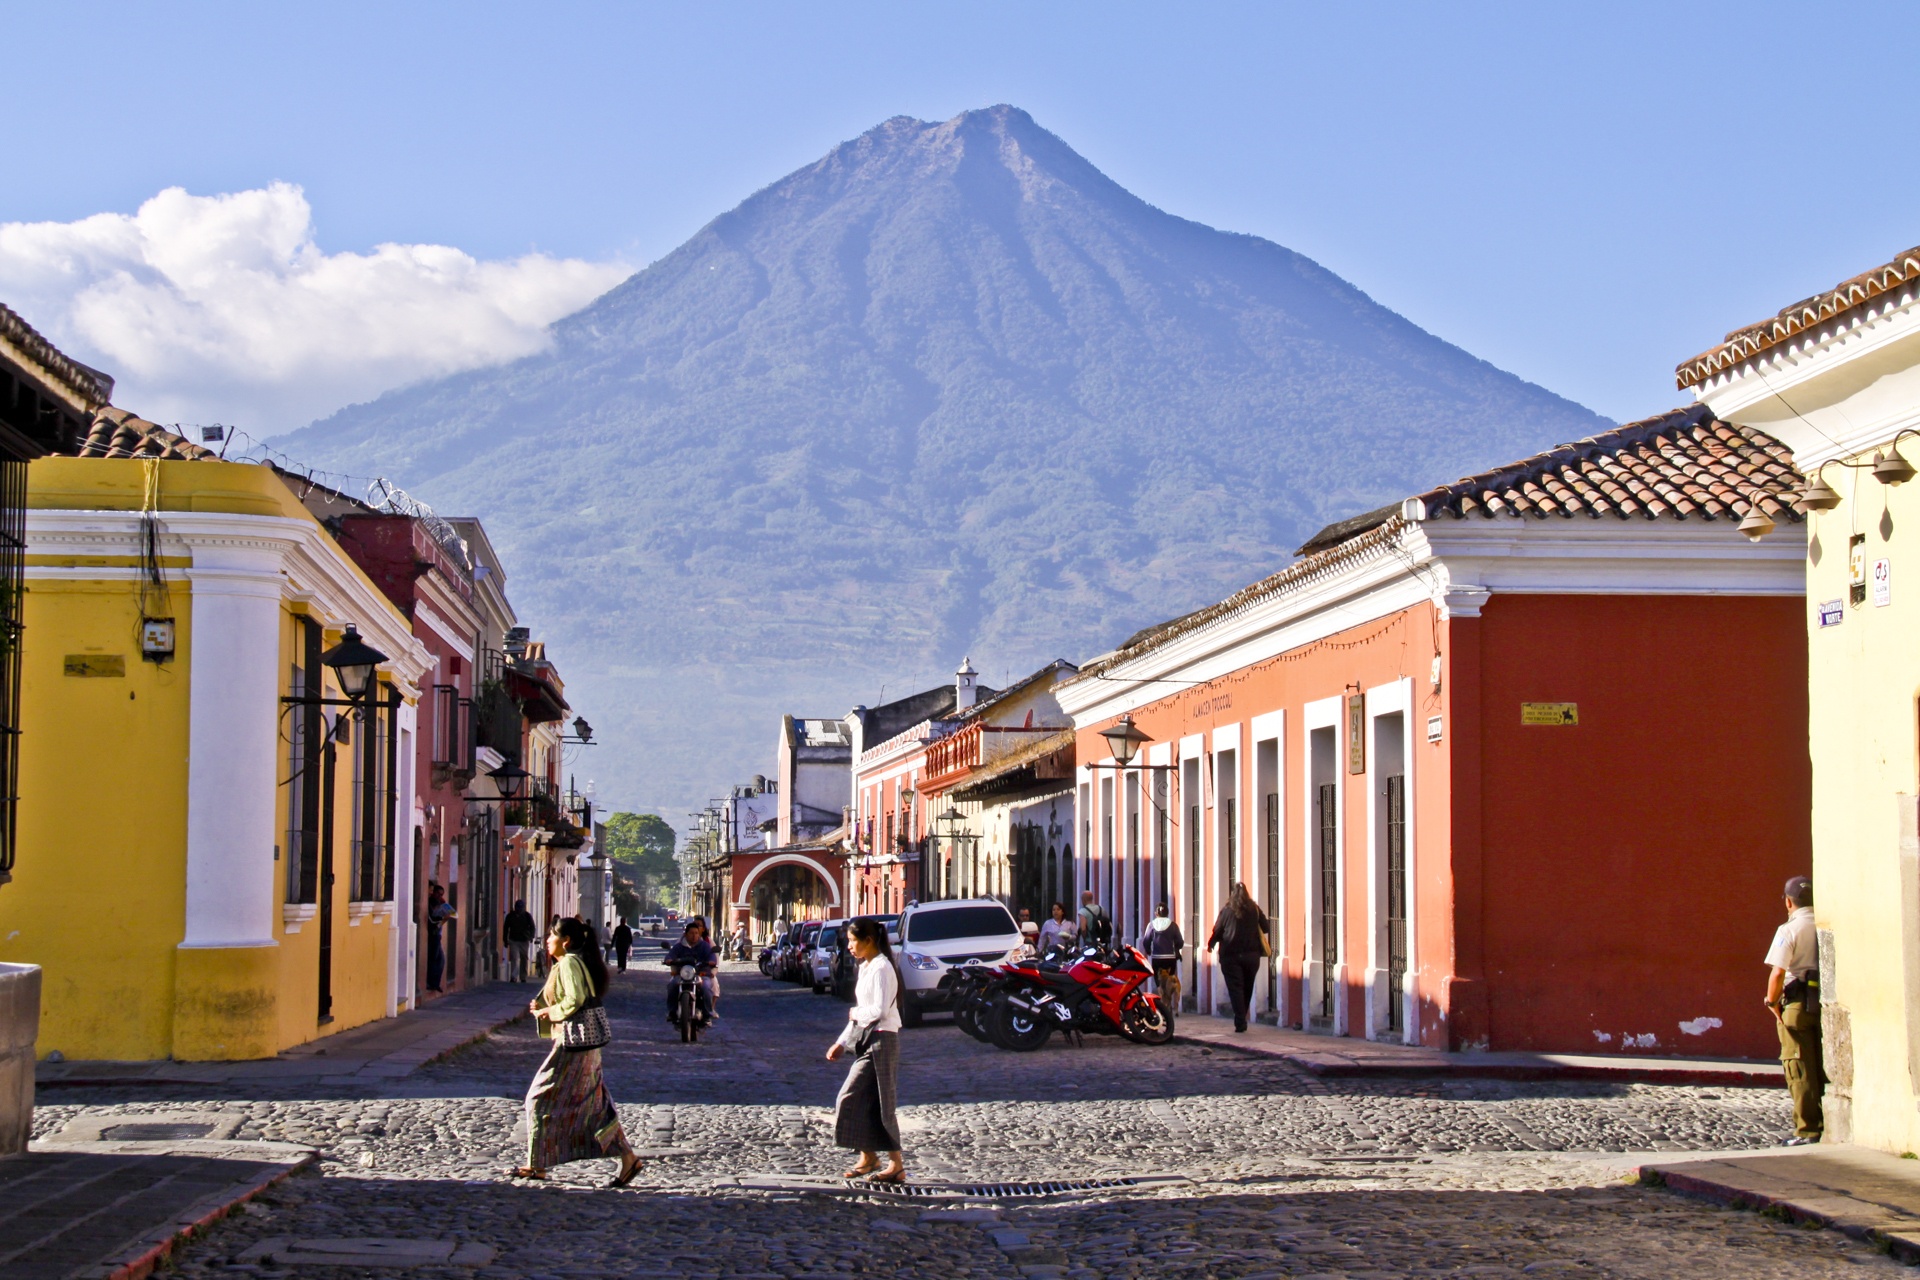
pixel 568 989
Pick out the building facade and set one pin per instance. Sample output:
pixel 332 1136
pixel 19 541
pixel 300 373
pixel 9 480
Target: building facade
pixel 1457 744
pixel 1837 377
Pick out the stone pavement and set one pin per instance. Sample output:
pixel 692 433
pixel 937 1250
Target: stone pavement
pixel 1346 1056
pixel 383 1050
pixel 1268 1169
pixel 1869 1195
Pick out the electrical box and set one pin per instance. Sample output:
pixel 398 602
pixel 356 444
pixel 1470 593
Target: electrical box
pixel 156 639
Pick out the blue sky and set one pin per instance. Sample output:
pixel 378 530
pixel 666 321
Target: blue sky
pixel 1584 196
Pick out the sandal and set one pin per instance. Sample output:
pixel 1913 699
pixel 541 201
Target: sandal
pixel 894 1178
pixel 626 1174
pixel 860 1170
pixel 527 1171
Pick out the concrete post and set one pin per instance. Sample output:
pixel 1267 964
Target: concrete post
pixel 19 1025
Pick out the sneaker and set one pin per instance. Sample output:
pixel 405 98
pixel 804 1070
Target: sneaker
pixel 1801 1142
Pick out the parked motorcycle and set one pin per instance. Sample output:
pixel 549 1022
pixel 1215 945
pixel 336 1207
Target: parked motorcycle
pixel 766 960
pixel 1099 990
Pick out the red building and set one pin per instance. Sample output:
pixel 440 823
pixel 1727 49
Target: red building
pixel 1518 763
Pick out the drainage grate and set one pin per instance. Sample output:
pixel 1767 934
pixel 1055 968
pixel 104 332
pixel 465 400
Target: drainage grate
pixel 155 1132
pixel 964 1190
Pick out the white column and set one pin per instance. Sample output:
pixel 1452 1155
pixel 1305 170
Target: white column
pixel 399 968
pixel 234 746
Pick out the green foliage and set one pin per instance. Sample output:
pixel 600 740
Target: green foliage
pixel 627 904
pixel 641 846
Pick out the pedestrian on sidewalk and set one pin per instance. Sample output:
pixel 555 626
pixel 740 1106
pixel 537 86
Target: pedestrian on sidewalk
pixel 570 1115
pixel 439 911
pixel 1793 997
pixel 863 1114
pixel 1096 926
pixel 518 930
pixel 1163 945
pixel 1058 931
pixel 1241 935
pixel 622 944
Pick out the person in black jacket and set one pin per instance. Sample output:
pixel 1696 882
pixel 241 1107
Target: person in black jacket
pixel 1241 934
pixel 622 944
pixel 1162 944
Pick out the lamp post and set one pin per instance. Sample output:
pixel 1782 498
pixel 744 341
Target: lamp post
pixel 353 661
pixel 953 818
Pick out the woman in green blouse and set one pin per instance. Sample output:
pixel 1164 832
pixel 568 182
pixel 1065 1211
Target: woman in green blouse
pixel 569 1113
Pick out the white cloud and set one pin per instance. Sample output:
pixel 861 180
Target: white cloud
pixel 224 309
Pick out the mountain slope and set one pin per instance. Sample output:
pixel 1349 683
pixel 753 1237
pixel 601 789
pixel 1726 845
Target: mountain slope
pixel 950 390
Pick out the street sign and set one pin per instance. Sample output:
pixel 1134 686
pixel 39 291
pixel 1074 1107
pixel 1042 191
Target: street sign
pixel 1433 728
pixel 1550 713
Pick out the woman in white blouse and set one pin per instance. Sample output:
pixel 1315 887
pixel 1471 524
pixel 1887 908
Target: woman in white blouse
pixel 863 1118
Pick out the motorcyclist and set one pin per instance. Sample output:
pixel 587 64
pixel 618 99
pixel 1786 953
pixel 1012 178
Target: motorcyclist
pixel 694 949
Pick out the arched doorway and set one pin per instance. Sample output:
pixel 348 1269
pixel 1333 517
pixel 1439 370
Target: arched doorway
pixel 787 892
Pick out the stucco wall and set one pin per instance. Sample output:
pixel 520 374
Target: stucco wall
pixel 1632 864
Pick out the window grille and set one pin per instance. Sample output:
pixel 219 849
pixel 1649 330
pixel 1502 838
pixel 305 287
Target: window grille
pixel 1329 827
pixel 1396 901
pixel 1273 899
pixel 13 547
pixel 307 732
pixel 375 771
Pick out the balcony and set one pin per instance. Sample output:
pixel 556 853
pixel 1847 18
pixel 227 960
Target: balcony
pixel 952 758
pixel 452 735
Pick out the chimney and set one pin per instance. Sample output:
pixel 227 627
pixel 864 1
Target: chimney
pixel 964 693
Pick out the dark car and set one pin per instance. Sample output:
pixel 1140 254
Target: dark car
pixel 846 970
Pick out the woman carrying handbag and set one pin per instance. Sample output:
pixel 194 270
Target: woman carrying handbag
pixel 1241 935
pixel 569 1113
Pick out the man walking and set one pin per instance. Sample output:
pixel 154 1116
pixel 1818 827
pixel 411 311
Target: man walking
pixel 518 930
pixel 1096 926
pixel 1163 944
pixel 622 944
pixel 1793 997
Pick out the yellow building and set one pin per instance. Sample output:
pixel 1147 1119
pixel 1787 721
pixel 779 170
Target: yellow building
pixel 1837 377
pixel 206 827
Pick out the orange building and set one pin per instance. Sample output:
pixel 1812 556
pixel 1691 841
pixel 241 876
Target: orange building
pixel 1518 763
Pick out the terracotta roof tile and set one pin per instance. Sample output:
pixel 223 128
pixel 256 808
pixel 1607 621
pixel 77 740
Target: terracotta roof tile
pixel 92 387
pixel 1686 464
pixel 1801 316
pixel 119 434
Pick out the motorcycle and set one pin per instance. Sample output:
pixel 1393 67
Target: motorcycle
pixel 1096 990
pixel 973 988
pixel 687 1015
pixel 766 960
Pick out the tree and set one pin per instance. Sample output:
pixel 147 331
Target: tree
pixel 641 845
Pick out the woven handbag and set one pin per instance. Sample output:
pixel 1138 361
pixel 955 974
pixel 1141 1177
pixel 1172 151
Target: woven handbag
pixel 587 1029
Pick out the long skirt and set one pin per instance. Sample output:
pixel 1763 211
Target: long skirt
pixel 569 1113
pixel 863 1118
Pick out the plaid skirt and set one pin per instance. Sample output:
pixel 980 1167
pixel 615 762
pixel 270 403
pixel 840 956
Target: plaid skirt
pixel 570 1115
pixel 863 1118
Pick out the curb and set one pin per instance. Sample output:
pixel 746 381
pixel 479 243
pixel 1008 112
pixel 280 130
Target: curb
pixel 147 1252
pixel 471 1040
pixel 1465 1067
pixel 1904 1246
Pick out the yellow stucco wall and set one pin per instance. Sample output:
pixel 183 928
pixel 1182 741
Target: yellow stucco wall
pixel 1864 682
pixel 98 895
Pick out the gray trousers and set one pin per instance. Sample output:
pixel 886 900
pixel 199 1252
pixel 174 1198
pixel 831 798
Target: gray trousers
pixel 863 1118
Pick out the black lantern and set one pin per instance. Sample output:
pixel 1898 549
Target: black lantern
pixel 509 777
pixel 1125 739
pixel 353 661
pixel 582 730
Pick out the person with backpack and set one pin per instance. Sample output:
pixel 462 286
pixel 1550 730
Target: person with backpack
pixel 1163 944
pixel 1241 935
pixel 1096 926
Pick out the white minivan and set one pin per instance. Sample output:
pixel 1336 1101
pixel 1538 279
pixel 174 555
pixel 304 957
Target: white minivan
pixel 937 937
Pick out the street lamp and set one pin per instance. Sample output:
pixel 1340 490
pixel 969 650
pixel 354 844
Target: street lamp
pixel 353 661
pixel 582 733
pixel 1125 739
pixel 508 777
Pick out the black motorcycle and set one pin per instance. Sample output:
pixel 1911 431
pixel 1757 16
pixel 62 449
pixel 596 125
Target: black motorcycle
pixel 688 1015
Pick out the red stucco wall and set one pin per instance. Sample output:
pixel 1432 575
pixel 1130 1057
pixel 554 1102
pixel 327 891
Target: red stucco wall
pixel 1631 865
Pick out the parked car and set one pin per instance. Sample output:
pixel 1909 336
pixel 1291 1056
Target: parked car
pixel 936 937
pixel 820 957
pixel 651 924
pixel 795 961
pixel 846 970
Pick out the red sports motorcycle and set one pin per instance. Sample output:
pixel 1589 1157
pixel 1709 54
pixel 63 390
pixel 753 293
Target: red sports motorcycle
pixel 1095 990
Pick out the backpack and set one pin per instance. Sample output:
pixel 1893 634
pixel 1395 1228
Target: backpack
pixel 1099 930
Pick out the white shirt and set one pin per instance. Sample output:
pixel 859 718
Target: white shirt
pixel 876 1001
pixel 1054 932
pixel 1796 947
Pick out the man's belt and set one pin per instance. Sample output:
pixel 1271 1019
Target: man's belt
pixel 1805 991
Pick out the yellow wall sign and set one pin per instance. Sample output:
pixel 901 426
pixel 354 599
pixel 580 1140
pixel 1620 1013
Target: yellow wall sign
pixel 96 664
pixel 1550 713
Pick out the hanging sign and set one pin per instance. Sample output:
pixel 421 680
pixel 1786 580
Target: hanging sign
pixel 1433 728
pixel 1550 713
pixel 1357 733
pixel 1831 612
pixel 1882 583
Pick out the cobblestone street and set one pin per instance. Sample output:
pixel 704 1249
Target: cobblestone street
pixel 1287 1174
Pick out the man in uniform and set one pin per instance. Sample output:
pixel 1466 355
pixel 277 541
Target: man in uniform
pixel 1793 997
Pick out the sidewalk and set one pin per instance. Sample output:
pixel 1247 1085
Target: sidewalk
pixel 378 1051
pixel 1869 1195
pixel 1347 1056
